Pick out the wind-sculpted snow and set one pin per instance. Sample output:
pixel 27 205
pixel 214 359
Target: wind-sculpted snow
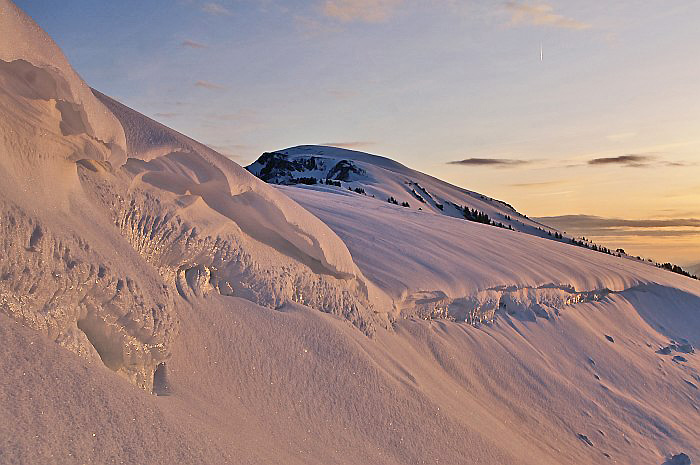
pixel 66 272
pixel 111 221
pixel 525 303
pixel 58 284
pixel 34 67
pixel 177 164
pixel 167 267
pixel 433 265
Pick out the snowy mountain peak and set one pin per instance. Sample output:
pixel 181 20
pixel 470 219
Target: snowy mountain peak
pixel 329 168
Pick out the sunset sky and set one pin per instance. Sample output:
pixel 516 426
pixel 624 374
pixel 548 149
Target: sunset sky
pixel 604 129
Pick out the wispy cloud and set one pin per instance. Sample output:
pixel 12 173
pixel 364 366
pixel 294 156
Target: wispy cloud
pixel 216 9
pixel 349 145
pixel 313 28
pixel 540 14
pixel 538 185
pixel 209 85
pixel 360 10
pixel 495 162
pixel 635 160
pixel 598 222
pixel 672 239
pixel 236 123
pixel 231 151
pixel 629 160
pixel 676 164
pixel 193 44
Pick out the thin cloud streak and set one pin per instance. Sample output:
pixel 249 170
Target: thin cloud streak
pixel 243 115
pixel 678 164
pixel 209 85
pixel 216 9
pixel 369 11
pixel 495 162
pixel 193 44
pixel 657 233
pixel 312 28
pixel 229 150
pixel 541 14
pixel 630 160
pixel 620 136
pixel 341 94
pixel 635 160
pixel 598 222
pixel 538 185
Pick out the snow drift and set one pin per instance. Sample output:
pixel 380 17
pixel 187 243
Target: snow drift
pixel 190 291
pixel 91 188
pixel 436 265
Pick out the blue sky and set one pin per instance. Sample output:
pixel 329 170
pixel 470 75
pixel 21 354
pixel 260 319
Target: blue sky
pixel 427 83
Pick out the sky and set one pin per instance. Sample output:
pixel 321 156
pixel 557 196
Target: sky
pixel 586 114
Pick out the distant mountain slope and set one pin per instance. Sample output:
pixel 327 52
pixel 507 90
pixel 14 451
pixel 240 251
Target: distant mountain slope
pixel 694 269
pixel 386 179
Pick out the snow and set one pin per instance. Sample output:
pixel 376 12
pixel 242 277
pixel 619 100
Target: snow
pixel 406 251
pixel 104 211
pixel 160 304
pixel 296 386
pixel 23 41
pixel 384 178
pixel 225 186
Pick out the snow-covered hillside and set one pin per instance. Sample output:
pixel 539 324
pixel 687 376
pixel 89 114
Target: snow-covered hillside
pixel 326 168
pixel 159 304
pixel 450 267
pixel 107 216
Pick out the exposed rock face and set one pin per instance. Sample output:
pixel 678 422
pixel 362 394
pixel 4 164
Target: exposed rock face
pixel 343 169
pixel 278 166
pixel 281 168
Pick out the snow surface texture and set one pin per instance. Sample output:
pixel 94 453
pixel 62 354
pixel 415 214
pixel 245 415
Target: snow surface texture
pixel 383 179
pixel 166 267
pixel 435 265
pixel 107 216
pixel 35 68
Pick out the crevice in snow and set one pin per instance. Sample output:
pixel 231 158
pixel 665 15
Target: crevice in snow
pixel 161 386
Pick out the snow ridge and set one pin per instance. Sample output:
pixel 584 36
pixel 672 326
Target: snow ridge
pixel 325 168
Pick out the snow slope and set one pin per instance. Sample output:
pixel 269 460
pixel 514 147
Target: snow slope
pixel 384 178
pixel 252 385
pixel 109 218
pixel 159 304
pixel 458 266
